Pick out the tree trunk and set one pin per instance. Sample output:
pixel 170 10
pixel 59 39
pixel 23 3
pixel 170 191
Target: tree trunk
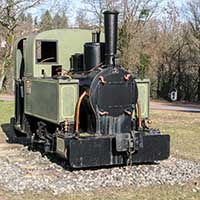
pixel 2 78
pixel 198 90
pixel 7 62
pixel 2 74
pixel 179 81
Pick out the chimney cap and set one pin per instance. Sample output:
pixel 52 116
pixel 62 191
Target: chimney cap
pixel 111 12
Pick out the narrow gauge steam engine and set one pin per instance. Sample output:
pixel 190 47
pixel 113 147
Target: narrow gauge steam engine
pixel 92 113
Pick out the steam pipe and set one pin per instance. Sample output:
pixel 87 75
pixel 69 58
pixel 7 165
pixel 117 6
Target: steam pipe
pixel 78 111
pixel 110 26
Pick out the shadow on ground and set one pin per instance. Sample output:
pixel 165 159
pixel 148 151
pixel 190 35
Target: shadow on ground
pixel 6 131
pixel 10 138
pixel 192 111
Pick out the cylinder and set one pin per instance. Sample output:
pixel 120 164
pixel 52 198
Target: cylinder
pixel 76 62
pixel 92 55
pixel 96 37
pixel 110 26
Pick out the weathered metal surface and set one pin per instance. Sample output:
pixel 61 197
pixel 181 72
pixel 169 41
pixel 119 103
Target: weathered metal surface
pixel 152 148
pixel 94 151
pixel 51 100
pixel 90 152
pixel 60 146
pixel 122 142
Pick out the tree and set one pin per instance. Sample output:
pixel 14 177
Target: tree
pixel 10 14
pixel 136 29
pixel 134 15
pixel 95 8
pixel 46 21
pixel 25 26
pixel 60 21
pixel 29 19
pixel 36 21
pixel 193 16
pixel 81 21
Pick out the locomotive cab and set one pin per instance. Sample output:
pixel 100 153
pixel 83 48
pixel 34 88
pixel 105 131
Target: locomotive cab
pixel 73 98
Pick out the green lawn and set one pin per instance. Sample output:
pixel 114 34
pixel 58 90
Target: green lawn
pixel 184 129
pixel 6 111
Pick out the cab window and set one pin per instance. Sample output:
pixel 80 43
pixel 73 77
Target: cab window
pixel 46 52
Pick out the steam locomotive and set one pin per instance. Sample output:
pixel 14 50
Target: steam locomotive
pixel 74 99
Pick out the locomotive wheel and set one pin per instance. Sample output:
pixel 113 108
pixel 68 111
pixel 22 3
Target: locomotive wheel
pixel 12 134
pixel 17 136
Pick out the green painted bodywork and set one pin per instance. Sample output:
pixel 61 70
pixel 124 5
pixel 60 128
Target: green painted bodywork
pixel 46 98
pixel 144 96
pixel 69 42
pixel 52 100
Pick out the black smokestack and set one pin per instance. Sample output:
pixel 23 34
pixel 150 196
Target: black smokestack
pixel 110 26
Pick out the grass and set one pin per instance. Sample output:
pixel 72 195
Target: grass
pixel 184 129
pixel 6 111
pixel 164 192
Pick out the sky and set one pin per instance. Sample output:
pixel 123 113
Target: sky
pixel 75 5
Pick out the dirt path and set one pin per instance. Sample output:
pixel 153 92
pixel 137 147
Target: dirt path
pixel 178 103
pixel 175 107
pixel 6 97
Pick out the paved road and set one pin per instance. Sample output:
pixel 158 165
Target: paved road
pixel 182 108
pixel 6 98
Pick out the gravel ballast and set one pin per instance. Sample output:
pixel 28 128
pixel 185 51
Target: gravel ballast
pixel 23 170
